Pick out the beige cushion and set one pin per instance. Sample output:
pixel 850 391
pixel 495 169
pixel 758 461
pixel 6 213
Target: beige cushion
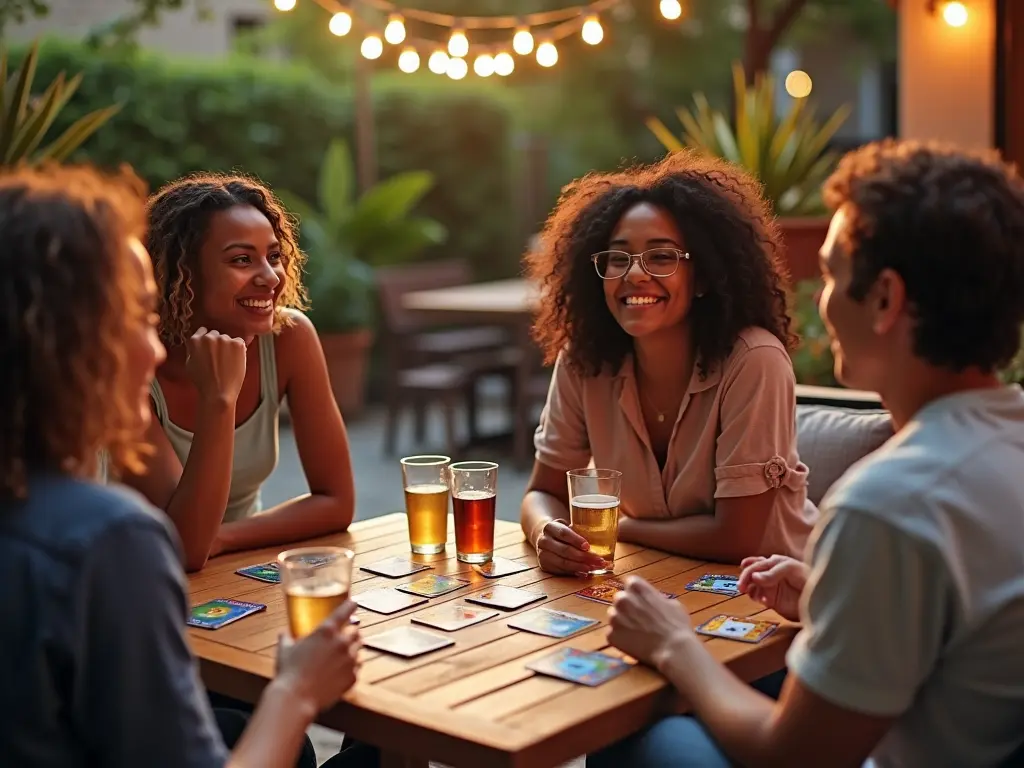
pixel 831 439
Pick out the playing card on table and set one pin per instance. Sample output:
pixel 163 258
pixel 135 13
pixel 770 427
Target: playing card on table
pixel 433 585
pixel 499 566
pixel 214 614
pixel 720 584
pixel 453 616
pixel 544 621
pixel 605 591
pixel 407 641
pixel 386 600
pixel 267 572
pixel 394 567
pixel 508 598
pixel 744 629
pixel 580 666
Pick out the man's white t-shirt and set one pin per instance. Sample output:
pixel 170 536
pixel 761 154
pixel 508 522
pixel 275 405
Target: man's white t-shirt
pixel 915 604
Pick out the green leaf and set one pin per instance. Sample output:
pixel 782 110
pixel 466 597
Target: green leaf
pixel 40 118
pixel 16 99
pixel 394 198
pixel 336 183
pixel 664 135
pixel 77 134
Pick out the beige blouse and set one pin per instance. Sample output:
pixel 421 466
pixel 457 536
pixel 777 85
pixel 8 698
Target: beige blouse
pixel 734 435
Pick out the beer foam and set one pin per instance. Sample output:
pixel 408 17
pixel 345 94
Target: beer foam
pixel 427 488
pixel 595 501
pixel 317 589
pixel 475 495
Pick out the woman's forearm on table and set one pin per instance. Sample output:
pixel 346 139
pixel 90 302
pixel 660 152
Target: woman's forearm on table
pixel 304 517
pixel 539 508
pixel 697 536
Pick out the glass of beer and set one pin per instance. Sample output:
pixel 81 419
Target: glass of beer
pixel 316 581
pixel 426 502
pixel 474 487
pixel 594 510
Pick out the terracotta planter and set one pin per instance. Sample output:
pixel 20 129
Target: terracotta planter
pixel 802 238
pixel 348 357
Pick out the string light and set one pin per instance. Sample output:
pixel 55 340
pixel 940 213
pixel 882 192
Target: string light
pixel 340 24
pixel 409 60
pixel 547 54
pixel 522 43
pixel 457 68
pixel 372 47
pixel 284 5
pixel 438 62
pixel 458 45
pixel 671 9
pixel 394 32
pixel 504 64
pixel 592 32
pixel 798 84
pixel 954 14
pixel 484 65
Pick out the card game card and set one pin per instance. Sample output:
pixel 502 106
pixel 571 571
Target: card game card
pixel 433 585
pixel 499 566
pixel 508 598
pixel 394 567
pixel 453 616
pixel 605 591
pixel 386 600
pixel 407 641
pixel 580 666
pixel 214 614
pixel 267 572
pixel 720 584
pixel 746 630
pixel 544 621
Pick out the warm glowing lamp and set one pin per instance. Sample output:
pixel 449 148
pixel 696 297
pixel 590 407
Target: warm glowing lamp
pixel 504 64
pixel 457 68
pixel 547 54
pixel 394 32
pixel 954 14
pixel 458 45
pixel 438 62
pixel 522 42
pixel 340 23
pixel 484 65
pixel 592 32
pixel 671 9
pixel 372 47
pixel 409 60
pixel 798 84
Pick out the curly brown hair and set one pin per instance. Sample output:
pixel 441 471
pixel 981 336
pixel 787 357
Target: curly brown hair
pixel 730 234
pixel 951 224
pixel 71 295
pixel 179 215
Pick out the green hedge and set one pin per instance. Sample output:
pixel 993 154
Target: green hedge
pixel 275 121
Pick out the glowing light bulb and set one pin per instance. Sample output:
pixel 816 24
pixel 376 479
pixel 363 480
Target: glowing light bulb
pixel 394 32
pixel 340 24
pixel 592 32
pixel 372 47
pixel 798 84
pixel 954 14
pixel 671 9
pixel 457 68
pixel 284 5
pixel 438 62
pixel 504 64
pixel 409 60
pixel 458 44
pixel 522 42
pixel 547 54
pixel 484 65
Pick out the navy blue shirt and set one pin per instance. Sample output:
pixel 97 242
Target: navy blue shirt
pixel 95 669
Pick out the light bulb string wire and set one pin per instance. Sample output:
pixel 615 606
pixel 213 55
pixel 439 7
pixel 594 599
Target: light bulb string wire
pixel 539 19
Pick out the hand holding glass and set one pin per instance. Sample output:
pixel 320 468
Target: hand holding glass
pixel 426 502
pixel 594 510
pixel 316 580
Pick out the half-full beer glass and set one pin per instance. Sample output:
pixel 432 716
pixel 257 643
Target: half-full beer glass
pixel 426 502
pixel 315 580
pixel 474 487
pixel 594 510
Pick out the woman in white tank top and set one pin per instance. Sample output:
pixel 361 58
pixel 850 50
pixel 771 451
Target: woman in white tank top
pixel 229 272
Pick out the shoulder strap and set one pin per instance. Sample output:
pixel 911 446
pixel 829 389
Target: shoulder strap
pixel 158 400
pixel 268 367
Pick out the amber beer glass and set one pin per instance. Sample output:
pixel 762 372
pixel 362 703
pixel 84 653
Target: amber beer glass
pixel 315 580
pixel 426 502
pixel 594 510
pixel 474 487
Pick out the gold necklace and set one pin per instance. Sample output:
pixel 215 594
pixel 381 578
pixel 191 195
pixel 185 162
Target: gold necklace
pixel 660 414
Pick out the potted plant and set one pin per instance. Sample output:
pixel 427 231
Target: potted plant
pixel 343 235
pixel 788 154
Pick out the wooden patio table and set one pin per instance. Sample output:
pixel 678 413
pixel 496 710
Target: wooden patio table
pixel 474 704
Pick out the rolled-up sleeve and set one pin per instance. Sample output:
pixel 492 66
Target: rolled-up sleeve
pixel 561 439
pixel 756 447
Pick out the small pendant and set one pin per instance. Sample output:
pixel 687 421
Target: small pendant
pixel 661 417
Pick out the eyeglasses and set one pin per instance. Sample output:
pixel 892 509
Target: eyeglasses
pixel 657 262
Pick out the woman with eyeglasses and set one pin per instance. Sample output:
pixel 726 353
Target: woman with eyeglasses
pixel 664 313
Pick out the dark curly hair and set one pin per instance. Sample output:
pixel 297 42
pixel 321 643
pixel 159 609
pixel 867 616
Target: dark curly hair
pixel 70 297
pixel 730 234
pixel 179 215
pixel 951 224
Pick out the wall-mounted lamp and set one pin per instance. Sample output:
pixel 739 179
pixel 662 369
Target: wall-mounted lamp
pixel 953 13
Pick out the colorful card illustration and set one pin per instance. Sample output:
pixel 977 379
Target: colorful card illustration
pixel 214 614
pixel 720 584
pixel 744 629
pixel 433 585
pixel 580 666
pixel 407 641
pixel 605 591
pixel 544 621
pixel 453 616
pixel 507 598
pixel 499 566
pixel 267 572
pixel 386 600
pixel 394 567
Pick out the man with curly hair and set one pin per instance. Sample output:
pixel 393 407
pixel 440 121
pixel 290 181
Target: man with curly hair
pixel 912 596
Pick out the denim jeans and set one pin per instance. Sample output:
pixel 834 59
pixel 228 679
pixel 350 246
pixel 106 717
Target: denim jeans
pixel 679 741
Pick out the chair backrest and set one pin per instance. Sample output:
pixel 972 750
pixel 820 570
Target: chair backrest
pixel 830 440
pixel 394 282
